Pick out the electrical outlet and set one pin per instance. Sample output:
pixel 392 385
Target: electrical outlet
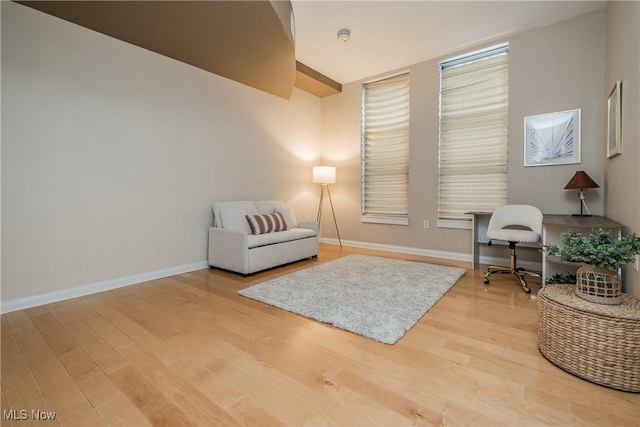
pixel 425 223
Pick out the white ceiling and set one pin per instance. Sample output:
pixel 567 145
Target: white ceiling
pixel 392 34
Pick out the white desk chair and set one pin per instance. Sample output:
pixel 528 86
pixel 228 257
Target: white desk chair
pixel 508 224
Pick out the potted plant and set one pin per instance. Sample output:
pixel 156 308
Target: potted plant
pixel 601 255
pixel 561 279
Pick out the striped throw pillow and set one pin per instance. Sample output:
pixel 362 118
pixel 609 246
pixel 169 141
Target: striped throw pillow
pixel 267 223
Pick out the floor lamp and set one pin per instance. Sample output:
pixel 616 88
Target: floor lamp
pixel 325 175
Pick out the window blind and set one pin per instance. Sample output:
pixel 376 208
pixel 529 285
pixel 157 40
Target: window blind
pixel 385 148
pixel 474 97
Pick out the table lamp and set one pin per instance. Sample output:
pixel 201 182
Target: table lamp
pixel 581 181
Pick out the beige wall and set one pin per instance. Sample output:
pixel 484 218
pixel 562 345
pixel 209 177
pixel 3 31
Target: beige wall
pixel 622 172
pixel 555 68
pixel 112 155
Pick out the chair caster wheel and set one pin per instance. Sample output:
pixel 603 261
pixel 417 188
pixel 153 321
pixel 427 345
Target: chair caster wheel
pixel 486 281
pixel 527 290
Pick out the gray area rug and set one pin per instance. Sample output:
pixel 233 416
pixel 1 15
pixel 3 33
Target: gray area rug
pixel 376 297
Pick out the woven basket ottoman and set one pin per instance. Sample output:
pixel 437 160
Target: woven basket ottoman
pixel 597 342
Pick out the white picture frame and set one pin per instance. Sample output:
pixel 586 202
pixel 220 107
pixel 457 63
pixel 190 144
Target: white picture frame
pixel 614 121
pixel 552 139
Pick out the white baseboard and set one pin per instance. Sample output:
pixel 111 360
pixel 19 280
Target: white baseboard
pixel 453 256
pixel 92 288
pixel 456 256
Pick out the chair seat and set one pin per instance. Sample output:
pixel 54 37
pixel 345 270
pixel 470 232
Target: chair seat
pixel 511 235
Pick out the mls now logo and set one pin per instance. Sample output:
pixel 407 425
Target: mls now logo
pixel 23 414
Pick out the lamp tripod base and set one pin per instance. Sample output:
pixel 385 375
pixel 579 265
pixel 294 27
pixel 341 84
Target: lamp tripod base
pixel 319 219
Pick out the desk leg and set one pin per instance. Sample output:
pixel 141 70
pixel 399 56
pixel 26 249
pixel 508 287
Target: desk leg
pixel 475 245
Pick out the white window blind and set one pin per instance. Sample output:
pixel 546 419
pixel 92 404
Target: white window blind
pixel 385 150
pixel 474 94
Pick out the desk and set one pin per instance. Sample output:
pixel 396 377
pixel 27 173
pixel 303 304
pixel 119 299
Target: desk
pixel 552 226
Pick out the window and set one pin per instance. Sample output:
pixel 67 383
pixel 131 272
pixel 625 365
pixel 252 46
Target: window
pixel 474 95
pixel 385 151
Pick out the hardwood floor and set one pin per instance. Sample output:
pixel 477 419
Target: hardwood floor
pixel 187 350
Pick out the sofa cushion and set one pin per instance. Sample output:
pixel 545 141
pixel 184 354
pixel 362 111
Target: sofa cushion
pixel 269 206
pixel 266 223
pixel 258 240
pixel 249 209
pixel 289 216
pixel 234 218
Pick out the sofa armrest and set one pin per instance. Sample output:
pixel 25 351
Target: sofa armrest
pixel 228 249
pixel 311 225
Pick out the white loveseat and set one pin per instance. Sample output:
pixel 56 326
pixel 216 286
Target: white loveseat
pixel 234 247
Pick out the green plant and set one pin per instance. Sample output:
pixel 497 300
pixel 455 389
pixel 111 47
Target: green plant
pixel 599 248
pixel 559 278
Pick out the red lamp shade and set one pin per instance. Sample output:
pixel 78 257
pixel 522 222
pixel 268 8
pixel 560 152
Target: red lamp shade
pixel 580 180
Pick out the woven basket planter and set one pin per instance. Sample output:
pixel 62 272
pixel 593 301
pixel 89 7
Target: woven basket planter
pixel 599 285
pixel 600 343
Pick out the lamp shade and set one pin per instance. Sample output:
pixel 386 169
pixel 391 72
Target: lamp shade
pixel 581 180
pixel 324 174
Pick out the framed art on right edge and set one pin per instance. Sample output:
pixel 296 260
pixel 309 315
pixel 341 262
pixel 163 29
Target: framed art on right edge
pixel 614 121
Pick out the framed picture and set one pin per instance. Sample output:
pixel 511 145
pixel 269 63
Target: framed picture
pixel 614 121
pixel 552 139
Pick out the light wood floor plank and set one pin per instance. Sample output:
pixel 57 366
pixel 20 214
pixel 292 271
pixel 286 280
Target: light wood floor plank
pixel 182 393
pixel 135 331
pixel 458 414
pixel 384 397
pixel 114 409
pixel 20 389
pixel 4 406
pixel 188 350
pixel 18 381
pixel 59 388
pixel 569 412
pixel 94 344
pixel 148 399
pixel 100 325
pixel 224 382
pixel 274 392
pixel 119 411
pixel 88 376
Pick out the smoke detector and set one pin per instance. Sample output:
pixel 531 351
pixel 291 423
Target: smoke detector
pixel 344 35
